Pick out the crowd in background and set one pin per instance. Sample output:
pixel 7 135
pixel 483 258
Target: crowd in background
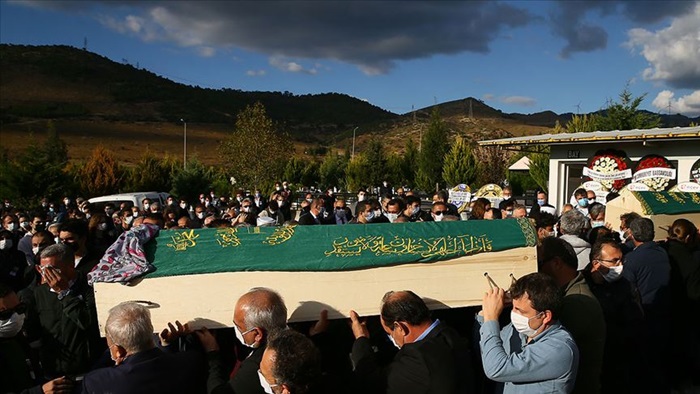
pixel 609 311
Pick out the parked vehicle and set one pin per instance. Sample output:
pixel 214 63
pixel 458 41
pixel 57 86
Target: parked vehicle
pixel 133 199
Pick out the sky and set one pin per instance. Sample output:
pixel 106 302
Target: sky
pixel 516 56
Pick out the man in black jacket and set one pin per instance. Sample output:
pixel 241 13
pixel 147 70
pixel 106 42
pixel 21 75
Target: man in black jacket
pixel 432 357
pixel 258 314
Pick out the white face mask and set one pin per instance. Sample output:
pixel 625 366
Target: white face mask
pixel 11 327
pixel 12 226
pixel 393 341
pixel 129 219
pixel 361 197
pixel 183 205
pixel 239 336
pixel 614 273
pixel 5 244
pixel 146 206
pixel 57 240
pixel 267 387
pixel 25 225
pixel 597 223
pixel 438 218
pixel 522 324
pixel 200 215
pixel 102 226
pixel 415 211
pixel 392 217
pixel 136 214
pixel 35 250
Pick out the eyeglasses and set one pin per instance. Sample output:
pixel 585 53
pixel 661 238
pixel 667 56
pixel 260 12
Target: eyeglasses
pixel 440 212
pixel 613 262
pixel 7 313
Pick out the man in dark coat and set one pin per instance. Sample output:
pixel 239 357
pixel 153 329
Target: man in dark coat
pixel 432 358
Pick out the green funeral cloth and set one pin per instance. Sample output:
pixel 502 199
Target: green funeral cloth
pixel 328 247
pixel 668 203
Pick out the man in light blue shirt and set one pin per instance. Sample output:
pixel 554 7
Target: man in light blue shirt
pixel 547 360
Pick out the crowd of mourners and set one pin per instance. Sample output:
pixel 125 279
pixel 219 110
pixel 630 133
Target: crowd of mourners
pixel 609 310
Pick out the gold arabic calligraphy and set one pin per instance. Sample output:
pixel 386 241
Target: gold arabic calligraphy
pixel 183 240
pixel 425 247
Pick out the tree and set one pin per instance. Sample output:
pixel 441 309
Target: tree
pixel 583 124
pixel 625 114
pixel 253 152
pixel 409 163
pixel 356 172
pixel 152 173
pixel 539 167
pixel 294 170
pixel 432 153
pixel 376 160
pixel 101 173
pixel 332 170
pixel 493 163
pixel 192 181
pixel 460 164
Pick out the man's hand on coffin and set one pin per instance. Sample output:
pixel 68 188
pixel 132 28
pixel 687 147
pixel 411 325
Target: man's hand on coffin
pixel 359 327
pixel 56 280
pixel 171 333
pixel 207 339
pixel 321 325
pixel 492 304
pixel 58 385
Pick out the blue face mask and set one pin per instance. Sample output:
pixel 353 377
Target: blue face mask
pixel 369 216
pixel 540 202
pixel 583 202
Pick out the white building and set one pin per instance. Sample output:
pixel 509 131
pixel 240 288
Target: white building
pixel 570 152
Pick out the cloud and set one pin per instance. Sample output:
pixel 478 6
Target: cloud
pixel 673 53
pixel 688 105
pixel 373 35
pixel 255 73
pixel 574 21
pixel 291 66
pixel 488 96
pixel 522 101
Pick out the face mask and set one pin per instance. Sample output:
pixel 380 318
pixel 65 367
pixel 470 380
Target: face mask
pixel 369 216
pixel 591 200
pixel 278 188
pixel 377 212
pixel 623 234
pixel 506 196
pixel 12 226
pixel 72 245
pixel 57 240
pixel 66 201
pixel 102 226
pixel 146 206
pixel 200 215
pixel 613 274
pixel 25 225
pixel 5 244
pixel 35 251
pixel 129 219
pixel 393 341
pixel 392 217
pixel 340 212
pixel 522 324
pixel 280 203
pixel 438 218
pixel 136 214
pixel 583 203
pixel 240 334
pixel 11 327
pixel 51 209
pixel 309 200
pixel 540 202
pixel 385 184
pixel 245 209
pixel 239 199
pixel 109 212
pixel 183 206
pixel 39 227
pixel 415 211
pixel 597 223
pixel 264 384
pixel 88 216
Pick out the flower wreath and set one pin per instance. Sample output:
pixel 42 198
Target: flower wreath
pixel 656 184
pixel 609 161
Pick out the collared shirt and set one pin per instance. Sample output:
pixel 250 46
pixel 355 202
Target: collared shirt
pixel 547 364
pixel 427 331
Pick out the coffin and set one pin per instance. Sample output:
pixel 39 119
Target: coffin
pixel 201 273
pixel 663 208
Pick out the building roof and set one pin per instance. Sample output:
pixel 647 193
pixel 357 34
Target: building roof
pixel 670 133
pixel 521 165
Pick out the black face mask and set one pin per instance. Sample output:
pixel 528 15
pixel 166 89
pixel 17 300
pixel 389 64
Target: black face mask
pixel 73 246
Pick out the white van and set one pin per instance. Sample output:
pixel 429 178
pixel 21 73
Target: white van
pixel 133 199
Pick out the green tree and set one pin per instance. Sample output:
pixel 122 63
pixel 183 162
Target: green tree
pixel 539 167
pixel 152 173
pixel 432 153
pixel 253 152
pixel 101 173
pixel 192 181
pixel 460 164
pixel 583 123
pixel 625 115
pixel 356 172
pixel 409 164
pixel 376 160
pixel 332 170
pixel 393 169
pixel 294 170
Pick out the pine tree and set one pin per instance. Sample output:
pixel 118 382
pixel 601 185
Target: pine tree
pixel 356 172
pixel 539 167
pixel 101 174
pixel 460 164
pixel 432 153
pixel 625 115
pixel 376 160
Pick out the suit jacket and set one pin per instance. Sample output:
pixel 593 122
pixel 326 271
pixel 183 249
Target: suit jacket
pixel 245 381
pixel 308 219
pixel 149 372
pixel 439 363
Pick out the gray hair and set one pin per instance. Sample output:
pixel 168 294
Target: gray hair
pixel 572 222
pixel 129 326
pixel 264 309
pixel 62 251
pixel 596 209
pixel 642 229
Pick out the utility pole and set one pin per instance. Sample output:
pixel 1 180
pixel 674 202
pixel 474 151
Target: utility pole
pixel 184 144
pixel 353 143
